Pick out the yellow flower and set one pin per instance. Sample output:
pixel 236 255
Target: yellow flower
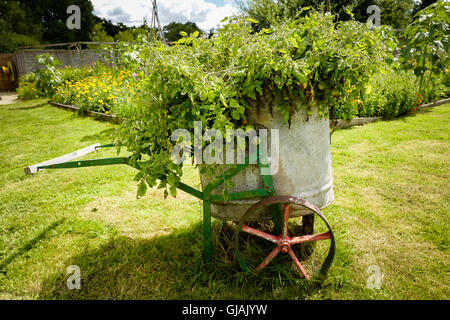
pixel 101 101
pixel 78 95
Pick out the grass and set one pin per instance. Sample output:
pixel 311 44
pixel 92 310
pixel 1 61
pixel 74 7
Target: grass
pixel 391 210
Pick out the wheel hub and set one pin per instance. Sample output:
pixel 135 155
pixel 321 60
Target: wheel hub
pixel 283 241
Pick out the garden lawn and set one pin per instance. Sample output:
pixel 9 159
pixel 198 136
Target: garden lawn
pixel 391 210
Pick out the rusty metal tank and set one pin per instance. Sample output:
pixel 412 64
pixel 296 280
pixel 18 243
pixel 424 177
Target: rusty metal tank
pixel 304 166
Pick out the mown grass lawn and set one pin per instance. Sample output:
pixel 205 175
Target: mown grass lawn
pixel 391 210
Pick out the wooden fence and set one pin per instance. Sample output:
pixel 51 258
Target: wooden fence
pixel 25 63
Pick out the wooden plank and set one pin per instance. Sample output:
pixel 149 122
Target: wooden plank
pixel 339 123
pixel 67 157
pixel 434 104
pixel 96 115
pixel 49 45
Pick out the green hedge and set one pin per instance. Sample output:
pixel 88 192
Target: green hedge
pixel 390 94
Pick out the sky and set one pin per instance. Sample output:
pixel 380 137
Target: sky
pixel 205 13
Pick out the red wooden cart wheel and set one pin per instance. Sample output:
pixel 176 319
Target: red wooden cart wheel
pixel 283 242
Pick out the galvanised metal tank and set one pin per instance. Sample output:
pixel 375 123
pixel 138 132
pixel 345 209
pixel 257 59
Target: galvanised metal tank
pixel 304 165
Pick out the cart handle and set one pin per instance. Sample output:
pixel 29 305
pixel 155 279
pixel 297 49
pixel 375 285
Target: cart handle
pixel 64 161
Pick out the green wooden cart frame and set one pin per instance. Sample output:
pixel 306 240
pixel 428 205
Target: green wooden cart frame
pixel 272 201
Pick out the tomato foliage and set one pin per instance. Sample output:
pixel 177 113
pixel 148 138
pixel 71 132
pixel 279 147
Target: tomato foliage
pixel 426 51
pixel 301 64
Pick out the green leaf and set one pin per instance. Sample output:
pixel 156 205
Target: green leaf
pixel 172 179
pixel 233 103
pixel 251 93
pixel 183 33
pixel 139 176
pixel 203 95
pixel 173 191
pixel 225 194
pixel 142 189
pixel 162 184
pixel 252 20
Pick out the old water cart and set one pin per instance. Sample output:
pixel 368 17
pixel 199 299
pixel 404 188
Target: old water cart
pixel 301 187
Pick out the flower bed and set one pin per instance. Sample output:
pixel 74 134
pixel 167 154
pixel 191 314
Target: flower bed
pixel 98 93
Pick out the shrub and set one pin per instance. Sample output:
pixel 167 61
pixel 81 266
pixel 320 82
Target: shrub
pixel 390 94
pixel 446 84
pixel 69 73
pixel 75 74
pixel 47 75
pixel 27 87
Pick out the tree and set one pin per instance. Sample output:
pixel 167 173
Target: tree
pixel 396 13
pixel 11 41
pixel 422 5
pixel 53 17
pixel 28 22
pixel 132 34
pixel 110 28
pixel 173 29
pixel 99 34
pixel 16 29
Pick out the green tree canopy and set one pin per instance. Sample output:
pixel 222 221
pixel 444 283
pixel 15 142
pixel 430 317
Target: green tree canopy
pixel 396 13
pixel 173 29
pixel 16 29
pixel 53 16
pixel 29 22
pixel 110 28
pixel 100 35
pixel 422 5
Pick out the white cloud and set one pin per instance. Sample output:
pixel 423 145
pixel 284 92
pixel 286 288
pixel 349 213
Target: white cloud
pixel 205 14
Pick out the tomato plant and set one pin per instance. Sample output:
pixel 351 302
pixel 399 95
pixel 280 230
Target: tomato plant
pixel 306 63
pixel 47 74
pixel 426 51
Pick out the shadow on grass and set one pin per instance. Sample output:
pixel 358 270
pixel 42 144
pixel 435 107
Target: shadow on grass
pixel 100 136
pixel 409 115
pixel 402 117
pixel 167 267
pixel 30 244
pixel 40 105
